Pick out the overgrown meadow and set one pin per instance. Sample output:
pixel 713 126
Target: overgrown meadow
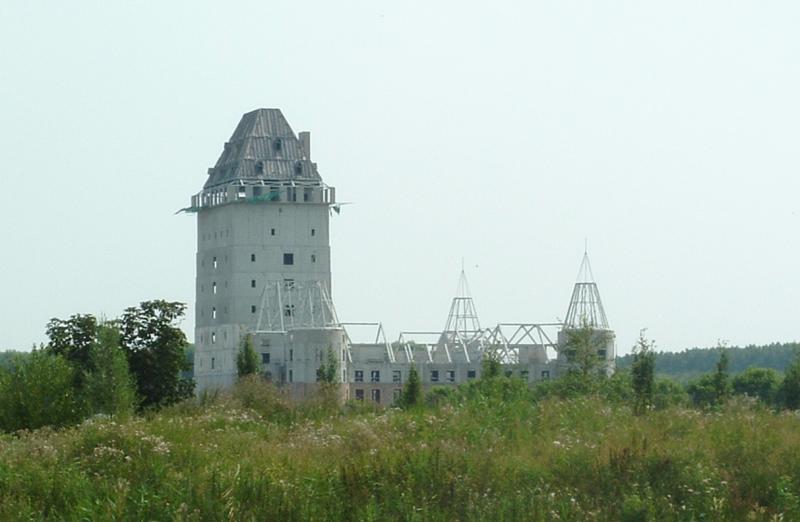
pixel 490 450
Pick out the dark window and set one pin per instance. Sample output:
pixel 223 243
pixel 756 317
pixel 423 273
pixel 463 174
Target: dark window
pixel 307 193
pixel 434 375
pixel 376 396
pixel 265 358
pixel 524 374
pixel 277 145
pixel 359 395
pixel 252 283
pixel 288 310
pixel 272 232
pixel 291 354
pixel 288 284
pixel 397 376
pixel 545 374
pixel 215 262
pixel 313 233
pixel 508 373
pixel 601 354
pixel 375 376
pixel 451 376
pixel 470 374
pixel 288 259
pixel 252 258
pixel 214 313
pixel 213 337
pixel 313 258
pixel 214 287
pixel 259 167
pixel 290 375
pixel 213 361
pixel 298 169
pixel 252 309
pixel 359 376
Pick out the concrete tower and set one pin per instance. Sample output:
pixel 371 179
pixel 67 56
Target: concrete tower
pixel 586 324
pixel 263 256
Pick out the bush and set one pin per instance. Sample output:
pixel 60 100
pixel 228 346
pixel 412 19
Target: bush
pixel 40 393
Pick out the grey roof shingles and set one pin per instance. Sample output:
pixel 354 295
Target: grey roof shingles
pixel 263 147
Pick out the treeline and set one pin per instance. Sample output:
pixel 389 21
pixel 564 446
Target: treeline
pixel 691 363
pixel 90 367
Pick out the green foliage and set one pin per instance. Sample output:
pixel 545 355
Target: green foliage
pixel 73 339
pixel 328 372
pixel 790 389
pixel 39 393
pixel 721 379
pixel 247 362
pixel 642 372
pixel 761 383
pixel 582 349
pixel 668 393
pixel 109 389
pixel 155 349
pixel 702 391
pixel 690 364
pixel 487 451
pixel 10 359
pixel 490 367
pixel 412 390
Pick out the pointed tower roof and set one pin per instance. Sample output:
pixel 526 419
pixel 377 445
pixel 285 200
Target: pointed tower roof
pixel 462 321
pixel 263 147
pixel 585 307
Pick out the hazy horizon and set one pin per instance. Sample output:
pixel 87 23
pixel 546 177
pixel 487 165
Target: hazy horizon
pixel 503 135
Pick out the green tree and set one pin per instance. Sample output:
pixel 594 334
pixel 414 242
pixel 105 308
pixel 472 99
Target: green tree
pixel 721 380
pixel 583 350
pixel 155 349
pixel 328 371
pixel 642 374
pixel 790 389
pixel 412 391
pixel 39 393
pixel 110 388
pixel 74 339
pixel 490 366
pixel 247 359
pixel 761 383
pixel 703 391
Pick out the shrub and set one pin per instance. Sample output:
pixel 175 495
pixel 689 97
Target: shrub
pixel 40 393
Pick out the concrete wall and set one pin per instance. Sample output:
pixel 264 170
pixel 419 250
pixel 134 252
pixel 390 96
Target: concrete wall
pixel 240 248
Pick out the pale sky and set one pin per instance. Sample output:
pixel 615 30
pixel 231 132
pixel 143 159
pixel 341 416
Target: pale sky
pixel 501 132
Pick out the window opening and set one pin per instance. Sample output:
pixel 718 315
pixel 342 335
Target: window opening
pixel 359 376
pixel 288 259
pixel 375 376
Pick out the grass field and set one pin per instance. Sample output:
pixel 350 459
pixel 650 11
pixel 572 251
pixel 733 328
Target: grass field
pixel 489 452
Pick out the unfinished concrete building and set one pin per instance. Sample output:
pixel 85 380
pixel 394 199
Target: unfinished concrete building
pixel 263 269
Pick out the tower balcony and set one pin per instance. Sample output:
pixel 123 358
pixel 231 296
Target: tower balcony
pixel 264 192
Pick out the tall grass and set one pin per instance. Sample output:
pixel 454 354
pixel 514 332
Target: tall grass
pixel 490 451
